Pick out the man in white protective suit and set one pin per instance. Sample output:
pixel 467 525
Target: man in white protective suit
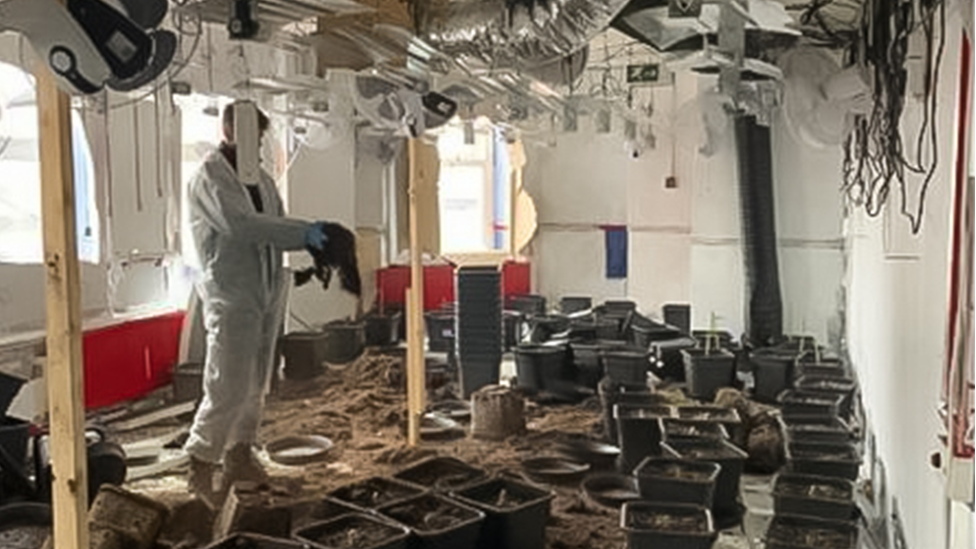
pixel 240 233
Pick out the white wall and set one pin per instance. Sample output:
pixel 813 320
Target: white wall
pixel 685 241
pixel 897 331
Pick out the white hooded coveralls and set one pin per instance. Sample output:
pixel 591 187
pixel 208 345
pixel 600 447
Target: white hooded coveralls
pixel 243 289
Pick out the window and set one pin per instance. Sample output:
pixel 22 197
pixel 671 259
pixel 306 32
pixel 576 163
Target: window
pixel 473 190
pixel 21 238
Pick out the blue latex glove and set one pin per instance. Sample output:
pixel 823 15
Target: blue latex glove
pixel 315 236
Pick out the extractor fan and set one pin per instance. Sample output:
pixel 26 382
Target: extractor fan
pixel 393 106
pixel 89 44
pixel 820 98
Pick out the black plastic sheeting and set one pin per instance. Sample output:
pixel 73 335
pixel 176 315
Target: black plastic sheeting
pixel 764 302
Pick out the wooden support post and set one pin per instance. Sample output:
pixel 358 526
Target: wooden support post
pixel 416 375
pixel 64 371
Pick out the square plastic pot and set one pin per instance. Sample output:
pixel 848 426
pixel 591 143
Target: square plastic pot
pixel 802 532
pixel 829 386
pixel 674 480
pixel 728 417
pixel 516 513
pixel 823 497
pixel 441 473
pixel 440 331
pixel 626 365
pixel 802 403
pixel 729 457
pixel 773 373
pixel 612 393
pixel 706 374
pixel 638 432
pixel 355 531
pixel 654 525
pixel 308 512
pixel 828 460
pixel 543 368
pixel 828 429
pixel 673 428
pixel 374 492
pixel 457 526
pixel 824 368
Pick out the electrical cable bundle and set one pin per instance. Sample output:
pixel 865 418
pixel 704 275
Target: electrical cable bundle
pixel 877 156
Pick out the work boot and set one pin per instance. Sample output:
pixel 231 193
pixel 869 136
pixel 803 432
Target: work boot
pixel 200 481
pixel 240 464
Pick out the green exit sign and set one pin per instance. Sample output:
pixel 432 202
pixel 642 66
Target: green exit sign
pixel 643 74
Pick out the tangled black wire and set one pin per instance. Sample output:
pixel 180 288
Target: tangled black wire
pixel 875 156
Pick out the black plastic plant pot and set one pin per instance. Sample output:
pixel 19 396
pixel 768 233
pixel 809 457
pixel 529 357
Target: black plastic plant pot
pixel 656 525
pixel 304 354
pixel 440 331
pixel 308 512
pixel 824 368
pixel 588 364
pixel 646 334
pixel 677 315
pixel 357 531
pixel 527 304
pixel 638 432
pixel 543 368
pixel 516 513
pixel 706 374
pixel 829 387
pixel 612 392
pixel 437 522
pixel 543 328
pixel 441 473
pixel 382 329
pixel 599 455
pixel 574 304
pixel 773 373
pixel 828 429
pixel 668 362
pixel 822 497
pixel 626 365
pixel 728 417
pixel 619 306
pixel 802 403
pixel 728 456
pixel 255 541
pixel 828 460
pixel 676 480
pixel 673 428
pixel 724 338
pixel 344 341
pixel 188 382
pixel 803 532
pixel 375 492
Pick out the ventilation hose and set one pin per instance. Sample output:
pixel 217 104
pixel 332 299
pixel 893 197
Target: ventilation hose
pixel 764 302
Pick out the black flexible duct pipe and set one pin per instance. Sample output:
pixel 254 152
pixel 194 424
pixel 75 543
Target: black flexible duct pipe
pixel 764 314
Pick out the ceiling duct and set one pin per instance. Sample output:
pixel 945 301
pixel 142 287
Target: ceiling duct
pixel 514 33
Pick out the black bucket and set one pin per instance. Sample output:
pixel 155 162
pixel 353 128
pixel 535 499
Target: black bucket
pixel 304 354
pixel 9 387
pixel 382 330
pixel 14 439
pixel 344 341
pixel 516 513
pixel 706 374
pixel 587 362
pixel 543 368
pixel 437 522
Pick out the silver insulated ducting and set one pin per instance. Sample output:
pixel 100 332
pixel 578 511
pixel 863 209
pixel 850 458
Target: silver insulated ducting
pixel 525 33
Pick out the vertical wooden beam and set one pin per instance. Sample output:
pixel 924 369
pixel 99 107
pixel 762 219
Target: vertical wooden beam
pixel 64 372
pixel 416 378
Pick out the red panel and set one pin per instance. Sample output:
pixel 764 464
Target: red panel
pixel 516 278
pixel 129 360
pixel 392 283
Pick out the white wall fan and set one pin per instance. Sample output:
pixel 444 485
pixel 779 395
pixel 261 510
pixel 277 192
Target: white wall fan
pixel 820 98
